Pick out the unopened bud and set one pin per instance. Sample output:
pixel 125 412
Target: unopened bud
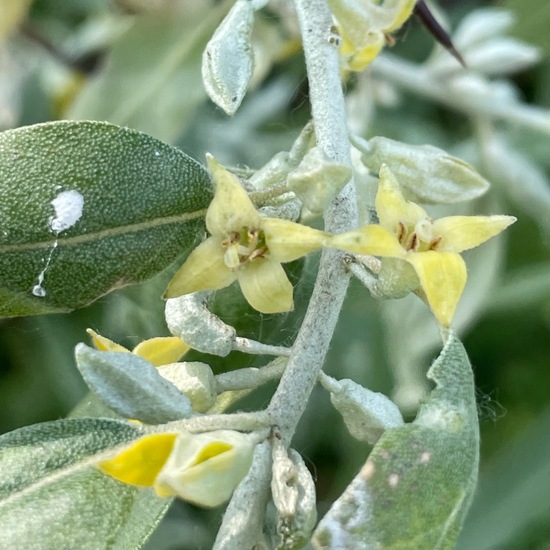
pixel 426 174
pixel 193 379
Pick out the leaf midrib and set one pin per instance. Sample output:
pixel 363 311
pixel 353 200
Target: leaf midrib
pixel 105 233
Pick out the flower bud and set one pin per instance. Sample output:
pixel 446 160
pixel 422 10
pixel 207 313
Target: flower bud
pixel 426 174
pixel 228 59
pixel 189 318
pixel 205 468
pixel 367 414
pixel 193 379
pixel 317 180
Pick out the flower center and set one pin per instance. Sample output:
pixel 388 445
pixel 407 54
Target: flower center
pixel 419 238
pixel 244 246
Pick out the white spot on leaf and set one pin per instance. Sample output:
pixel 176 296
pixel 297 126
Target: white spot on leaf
pixel 68 207
pixel 393 480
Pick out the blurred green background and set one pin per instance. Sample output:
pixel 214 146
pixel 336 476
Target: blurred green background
pixel 137 63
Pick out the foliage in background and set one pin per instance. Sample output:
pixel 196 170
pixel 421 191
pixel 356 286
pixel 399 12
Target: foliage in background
pixel 99 60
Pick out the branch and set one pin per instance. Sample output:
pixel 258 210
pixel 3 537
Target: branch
pixel 329 117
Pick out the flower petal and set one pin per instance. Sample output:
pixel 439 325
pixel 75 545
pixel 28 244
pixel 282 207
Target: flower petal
pixel 369 239
pixel 205 468
pixel 104 344
pixel 231 209
pixel 265 286
pixel 405 11
pixel 288 241
pixel 391 205
pixel 442 277
pixel 162 350
pixel 140 463
pixel 204 269
pixel 460 233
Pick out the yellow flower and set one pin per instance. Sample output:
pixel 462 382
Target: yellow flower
pixel 432 248
pixel 201 468
pixel 158 351
pixel 244 246
pixel 366 25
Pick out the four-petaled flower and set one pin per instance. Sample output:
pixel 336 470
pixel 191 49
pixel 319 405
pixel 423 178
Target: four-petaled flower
pixel 366 25
pixel 244 246
pixel 201 468
pixel 432 248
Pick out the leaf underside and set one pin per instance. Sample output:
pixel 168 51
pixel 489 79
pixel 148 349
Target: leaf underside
pixel 417 484
pixel 52 497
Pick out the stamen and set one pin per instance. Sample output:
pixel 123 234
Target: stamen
pixel 435 243
pixel 401 232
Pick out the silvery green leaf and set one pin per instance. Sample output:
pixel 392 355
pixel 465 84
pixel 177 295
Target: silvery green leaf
pixel 417 484
pixel 52 496
pixel 318 179
pixel 151 77
pixel 501 56
pixel 525 182
pixel 131 386
pixel 482 24
pixel 367 414
pixel 228 59
pixel 87 207
pixel 426 174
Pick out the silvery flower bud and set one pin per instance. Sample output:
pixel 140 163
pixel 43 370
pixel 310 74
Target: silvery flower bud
pixel 317 180
pixel 228 59
pixel 426 174
pixel 195 380
pixel 367 414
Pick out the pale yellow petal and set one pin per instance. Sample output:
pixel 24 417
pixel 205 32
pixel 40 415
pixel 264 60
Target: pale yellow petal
pixel 405 11
pixel 288 241
pixel 231 209
pixel 162 350
pixel 460 233
pixel 140 463
pixel 442 277
pixel 360 59
pixel 391 205
pixel 204 269
pixel 206 468
pixel 265 286
pixel 369 239
pixel 104 344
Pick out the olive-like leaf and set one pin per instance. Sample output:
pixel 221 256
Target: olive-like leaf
pixel 87 207
pixel 52 496
pixel 417 484
pixel 131 386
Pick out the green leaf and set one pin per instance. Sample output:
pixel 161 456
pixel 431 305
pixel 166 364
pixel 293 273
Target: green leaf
pixel 87 207
pixel 52 497
pixel 417 484
pixel 131 386
pixel 152 78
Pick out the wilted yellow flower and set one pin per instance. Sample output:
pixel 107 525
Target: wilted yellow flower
pixel 365 26
pixel 244 246
pixel 201 468
pixel 432 248
pixel 158 351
